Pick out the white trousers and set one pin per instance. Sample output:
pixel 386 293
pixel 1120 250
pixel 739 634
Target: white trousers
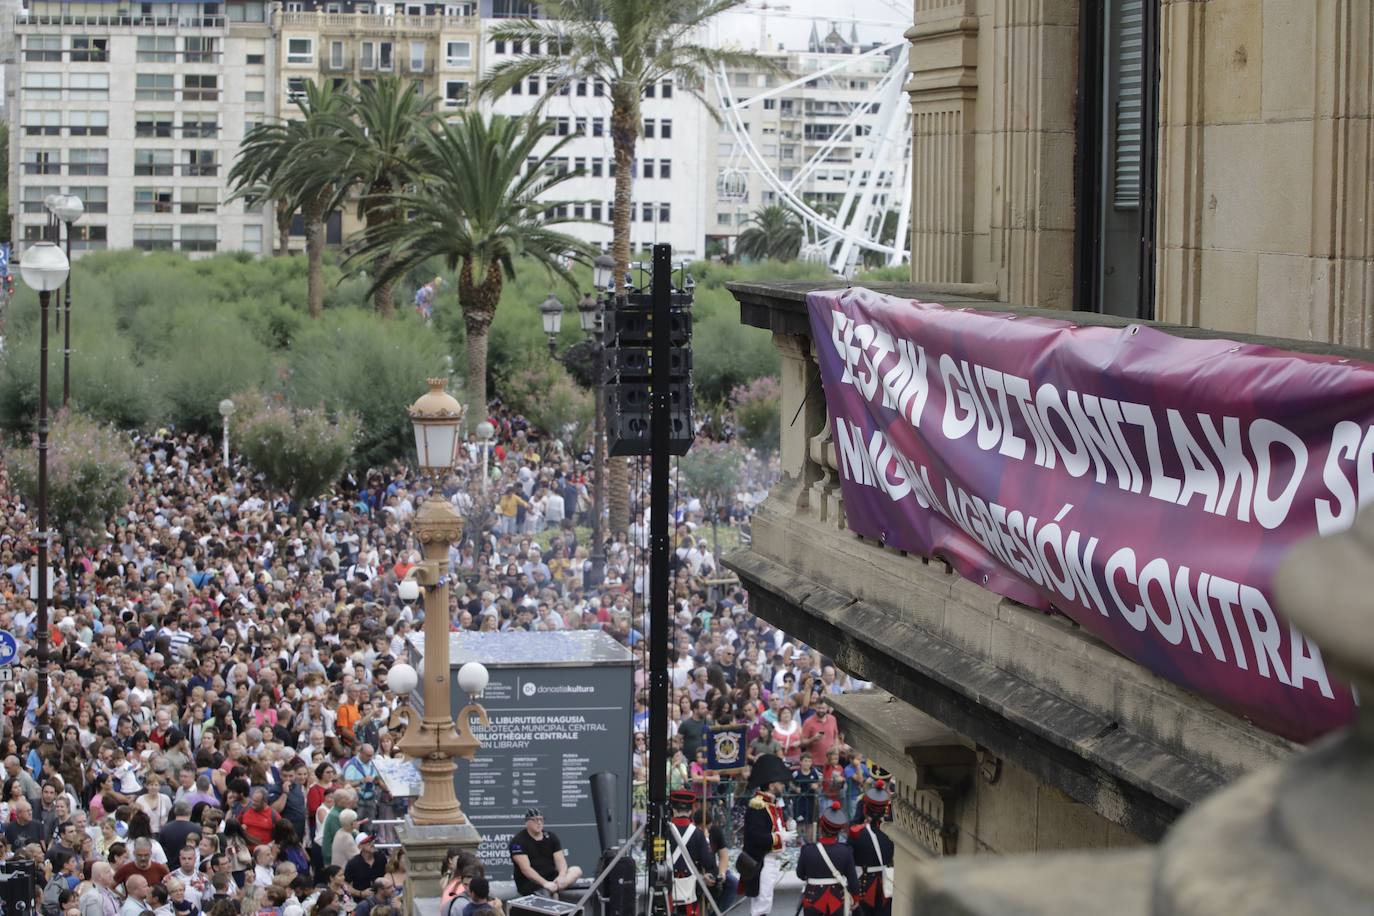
pixel 769 876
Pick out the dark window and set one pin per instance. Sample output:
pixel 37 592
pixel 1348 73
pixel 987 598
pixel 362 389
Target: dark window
pixel 1118 134
pixel 648 129
pixel 665 129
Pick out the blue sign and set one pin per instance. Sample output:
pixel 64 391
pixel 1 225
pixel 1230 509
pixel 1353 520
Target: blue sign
pixel 9 647
pixel 4 258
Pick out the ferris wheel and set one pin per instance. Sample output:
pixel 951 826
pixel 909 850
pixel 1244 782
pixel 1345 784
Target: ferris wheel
pixel 879 175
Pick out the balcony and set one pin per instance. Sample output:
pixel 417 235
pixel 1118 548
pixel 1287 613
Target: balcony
pixel 25 21
pixel 341 65
pixel 377 24
pixel 419 68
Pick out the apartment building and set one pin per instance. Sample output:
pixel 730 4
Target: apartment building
pixel 671 168
pixel 139 111
pixel 791 129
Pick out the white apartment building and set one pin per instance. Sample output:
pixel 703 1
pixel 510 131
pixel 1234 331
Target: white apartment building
pixel 788 130
pixel 672 174
pixel 139 111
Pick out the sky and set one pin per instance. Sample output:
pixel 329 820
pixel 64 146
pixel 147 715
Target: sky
pixel 789 21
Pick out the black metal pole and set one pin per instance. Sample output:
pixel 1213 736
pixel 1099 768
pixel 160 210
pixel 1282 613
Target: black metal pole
pixel 67 325
pixel 43 534
pixel 660 419
pixel 598 555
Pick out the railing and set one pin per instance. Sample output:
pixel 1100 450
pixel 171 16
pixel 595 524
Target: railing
pixel 726 801
pixel 339 66
pixel 158 22
pixel 377 22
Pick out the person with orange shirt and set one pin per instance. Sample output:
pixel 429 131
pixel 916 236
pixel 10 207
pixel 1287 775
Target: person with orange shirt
pixel 348 715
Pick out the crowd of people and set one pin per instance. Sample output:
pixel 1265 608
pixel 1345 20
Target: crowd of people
pixel 218 696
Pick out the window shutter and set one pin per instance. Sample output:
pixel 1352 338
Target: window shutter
pixel 1129 104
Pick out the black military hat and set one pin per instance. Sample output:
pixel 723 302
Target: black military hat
pixel 833 821
pixel 768 768
pixel 877 799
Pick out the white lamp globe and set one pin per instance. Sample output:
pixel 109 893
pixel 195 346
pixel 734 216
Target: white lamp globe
pixel 485 430
pixel 44 267
pixel 408 590
pixel 68 208
pixel 226 408
pixel 402 679
pixel 472 678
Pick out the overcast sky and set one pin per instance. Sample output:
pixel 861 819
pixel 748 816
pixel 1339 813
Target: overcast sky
pixel 789 21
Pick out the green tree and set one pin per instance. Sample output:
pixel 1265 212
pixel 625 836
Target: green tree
pixel 277 162
pixel 374 151
pixel 629 45
pixel 549 398
pixel 301 452
pixel 757 413
pixel 771 232
pixel 712 472
pixel 479 207
pixel 89 467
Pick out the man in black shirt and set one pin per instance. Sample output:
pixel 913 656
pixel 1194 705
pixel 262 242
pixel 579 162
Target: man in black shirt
pixel 367 866
pixel 693 731
pixel 540 865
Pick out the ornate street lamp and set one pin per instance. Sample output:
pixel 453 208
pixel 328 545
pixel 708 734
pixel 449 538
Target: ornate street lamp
pixel 551 311
pixel 603 273
pixel 485 433
pixel 44 268
pixel 226 410
pixel 67 208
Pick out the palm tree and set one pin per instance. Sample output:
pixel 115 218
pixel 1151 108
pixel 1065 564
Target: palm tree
pixel 771 232
pixel 628 45
pixel 479 207
pixel 275 163
pixel 379 134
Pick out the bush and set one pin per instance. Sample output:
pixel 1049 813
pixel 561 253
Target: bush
pixel 299 451
pixel 757 418
pixel 549 398
pixel 89 466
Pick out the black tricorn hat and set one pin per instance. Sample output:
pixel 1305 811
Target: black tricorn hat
pixel 768 768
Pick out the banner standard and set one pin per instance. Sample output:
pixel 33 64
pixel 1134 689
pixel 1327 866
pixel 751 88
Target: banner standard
pixel 1142 484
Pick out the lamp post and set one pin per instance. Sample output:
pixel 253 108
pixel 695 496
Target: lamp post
pixel 551 311
pixel 436 821
pixel 226 410
pixel 67 208
pixel 44 268
pixel 485 433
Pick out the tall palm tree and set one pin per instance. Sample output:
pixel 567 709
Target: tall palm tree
pixel 379 135
pixel 479 207
pixel 628 45
pixel 274 163
pixel 771 232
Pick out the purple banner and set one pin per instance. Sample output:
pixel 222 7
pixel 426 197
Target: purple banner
pixel 1144 485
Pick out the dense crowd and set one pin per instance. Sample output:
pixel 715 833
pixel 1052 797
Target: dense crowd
pixel 218 693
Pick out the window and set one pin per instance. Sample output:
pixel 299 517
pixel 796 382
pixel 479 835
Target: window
pixel 417 57
pixel 665 168
pixel 564 87
pixel 300 50
pixel 42 123
pixel 649 91
pixel 254 88
pixel 88 87
pixel 36 196
pixel 665 129
pixel 336 55
pixel 517 88
pixel 154 87
pixel 581 87
pixel 722 219
pixel 598 88
pixel 200 50
pixel 43 48
pixel 665 213
pixel 770 104
pixel 458 53
pixel 205 124
pixel 559 125
pixel 667 91
pixel 367 57
pixel 152 162
pixel 610 168
pixel 42 162
pixel 255 59
pixel 42 86
pixel 455 93
pixel 648 129
pixel 36 232
pixel 598 127
pixel 153 238
pixel 95 198
pixel 517 46
pixel 156 49
pixel 199 87
pixel 90 238
pixel 596 168
pixel 579 211
pixel 88 123
pixel 256 51
pixel 384 55
pixel 295 88
pixel 86 49
pixel 648 213
pixel 252 238
pixel 580 165
pixel 251 11
pixel 534 85
pixel 647 170
pixel 594 212
pixel 198 200
pixel 152 200
pixel 88 162
pixel 580 126
pixel 200 162
pixel 152 124
pixel 1118 124
pixel 499 46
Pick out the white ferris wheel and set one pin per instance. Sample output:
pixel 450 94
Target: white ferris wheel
pixel 879 177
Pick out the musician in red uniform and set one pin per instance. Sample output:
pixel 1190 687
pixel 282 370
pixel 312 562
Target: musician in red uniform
pixel 827 868
pixel 686 894
pixel 873 851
